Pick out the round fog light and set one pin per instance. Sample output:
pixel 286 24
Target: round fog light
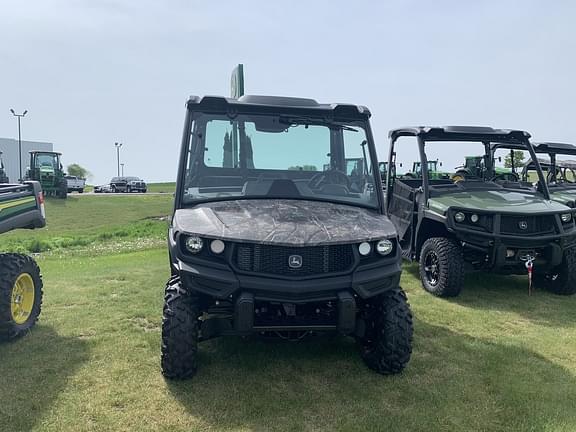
pixel 474 218
pixel 194 244
pixel 384 247
pixel 459 217
pixel 217 246
pixel 364 248
pixel 566 217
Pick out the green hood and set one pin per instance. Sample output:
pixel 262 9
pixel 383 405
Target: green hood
pixel 495 201
pixel 564 196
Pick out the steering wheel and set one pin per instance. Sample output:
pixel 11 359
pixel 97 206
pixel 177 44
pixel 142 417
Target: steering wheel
pixel 512 176
pixel 329 177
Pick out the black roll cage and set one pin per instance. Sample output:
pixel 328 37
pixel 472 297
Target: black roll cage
pixel 488 136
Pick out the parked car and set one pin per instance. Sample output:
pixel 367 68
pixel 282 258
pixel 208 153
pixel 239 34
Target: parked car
pixel 127 184
pixel 102 189
pixel 75 184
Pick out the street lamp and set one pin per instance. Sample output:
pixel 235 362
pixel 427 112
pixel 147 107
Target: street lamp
pixel 19 139
pixel 118 145
pixel 122 165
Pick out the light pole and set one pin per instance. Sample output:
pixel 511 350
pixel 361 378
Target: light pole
pixel 118 145
pixel 19 140
pixel 122 165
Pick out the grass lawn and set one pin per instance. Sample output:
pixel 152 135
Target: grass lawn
pixel 493 359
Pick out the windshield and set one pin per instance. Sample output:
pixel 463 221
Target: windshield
pixel 272 156
pixel 46 161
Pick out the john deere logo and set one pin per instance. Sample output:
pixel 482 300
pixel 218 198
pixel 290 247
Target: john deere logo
pixel 295 261
pixel 523 225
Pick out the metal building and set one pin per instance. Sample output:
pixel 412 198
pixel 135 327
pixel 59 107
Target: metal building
pixel 9 148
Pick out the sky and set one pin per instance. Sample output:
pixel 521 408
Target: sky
pixel 92 73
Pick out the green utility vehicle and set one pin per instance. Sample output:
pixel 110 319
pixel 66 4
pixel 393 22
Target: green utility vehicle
pixel 46 168
pixel 260 248
pixel 3 175
pixel 560 169
pixel 21 206
pixel 484 222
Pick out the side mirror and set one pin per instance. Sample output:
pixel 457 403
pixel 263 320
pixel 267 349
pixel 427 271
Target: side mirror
pixel 400 164
pixel 440 163
pixel 500 159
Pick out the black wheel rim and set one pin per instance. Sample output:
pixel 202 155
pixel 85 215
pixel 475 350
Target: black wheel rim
pixel 432 268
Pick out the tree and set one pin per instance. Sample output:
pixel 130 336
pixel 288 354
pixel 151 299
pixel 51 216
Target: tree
pixel 518 159
pixel 78 171
pixel 303 168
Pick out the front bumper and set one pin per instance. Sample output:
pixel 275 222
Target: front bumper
pixel 221 282
pixel 508 252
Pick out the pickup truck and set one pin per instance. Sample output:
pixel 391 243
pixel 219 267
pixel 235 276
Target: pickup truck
pixel 75 184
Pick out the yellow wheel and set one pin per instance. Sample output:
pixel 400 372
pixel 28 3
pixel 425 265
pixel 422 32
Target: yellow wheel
pixel 22 298
pixel 20 294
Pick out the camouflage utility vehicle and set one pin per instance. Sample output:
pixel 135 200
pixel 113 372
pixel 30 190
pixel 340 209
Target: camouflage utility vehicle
pixel 21 206
pixel 271 236
pixel 483 221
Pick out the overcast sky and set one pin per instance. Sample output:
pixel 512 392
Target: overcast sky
pixel 94 72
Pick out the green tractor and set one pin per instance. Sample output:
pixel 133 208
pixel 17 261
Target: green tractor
pixel 46 168
pixel 21 207
pixel 433 171
pixel 475 167
pixel 3 175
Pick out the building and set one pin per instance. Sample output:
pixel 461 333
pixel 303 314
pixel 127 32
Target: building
pixel 9 149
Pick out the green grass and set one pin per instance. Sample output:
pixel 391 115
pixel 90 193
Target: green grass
pixel 493 359
pixel 88 220
pixel 169 187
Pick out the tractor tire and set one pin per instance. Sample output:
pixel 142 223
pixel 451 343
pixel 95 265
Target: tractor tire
pixel 442 267
pixel 180 326
pixel 387 342
pixel 562 279
pixel 20 295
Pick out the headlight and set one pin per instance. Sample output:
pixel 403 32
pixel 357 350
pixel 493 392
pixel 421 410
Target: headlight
pixel 364 248
pixel 474 218
pixel 384 247
pixel 217 246
pixel 194 244
pixel 459 217
pixel 566 217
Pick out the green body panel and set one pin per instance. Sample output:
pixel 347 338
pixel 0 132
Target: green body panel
pixel 12 207
pixel 565 197
pixel 495 201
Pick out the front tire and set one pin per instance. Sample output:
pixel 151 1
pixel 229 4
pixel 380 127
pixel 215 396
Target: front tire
pixel 387 343
pixel 179 331
pixel 442 267
pixel 20 295
pixel 562 279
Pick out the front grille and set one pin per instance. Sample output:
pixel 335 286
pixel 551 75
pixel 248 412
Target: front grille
pixel 534 225
pixel 315 260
